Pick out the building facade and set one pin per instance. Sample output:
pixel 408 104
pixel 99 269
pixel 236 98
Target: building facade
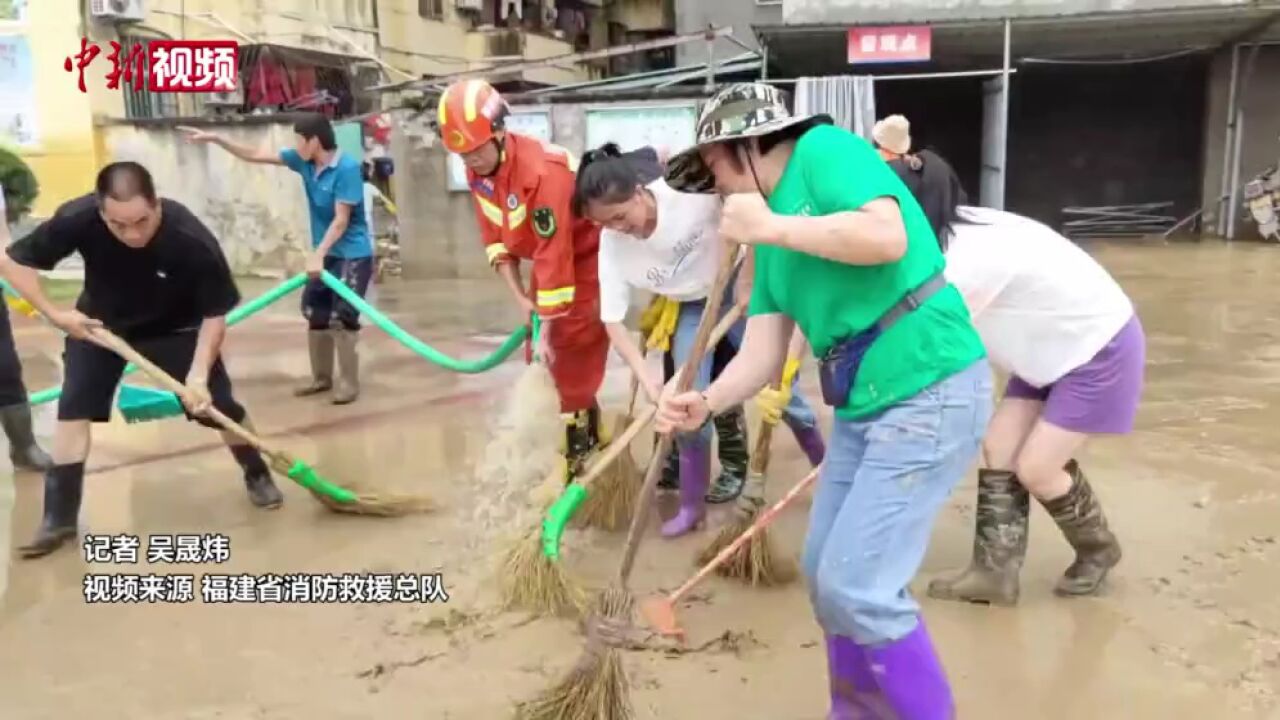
pixel 295 55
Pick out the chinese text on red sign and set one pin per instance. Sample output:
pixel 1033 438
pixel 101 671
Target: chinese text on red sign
pixel 902 43
pixel 167 65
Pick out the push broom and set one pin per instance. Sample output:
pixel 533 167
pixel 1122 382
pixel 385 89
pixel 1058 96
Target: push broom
pixel 660 612
pixel 333 496
pixel 580 492
pixel 533 578
pixel 755 561
pixel 613 501
pixel 597 687
pixel 136 403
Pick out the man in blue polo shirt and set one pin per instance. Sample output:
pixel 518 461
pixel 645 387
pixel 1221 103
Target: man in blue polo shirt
pixel 340 240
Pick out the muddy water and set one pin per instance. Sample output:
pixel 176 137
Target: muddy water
pixel 1189 627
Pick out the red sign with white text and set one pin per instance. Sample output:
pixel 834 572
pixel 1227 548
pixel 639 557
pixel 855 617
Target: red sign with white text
pixel 899 43
pixel 165 65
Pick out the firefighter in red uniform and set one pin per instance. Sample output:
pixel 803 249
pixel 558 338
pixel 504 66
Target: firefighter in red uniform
pixel 522 190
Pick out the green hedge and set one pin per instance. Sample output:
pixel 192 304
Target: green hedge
pixel 20 186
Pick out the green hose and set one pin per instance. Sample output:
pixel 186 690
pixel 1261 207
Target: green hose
pixel 240 313
pixel 417 346
pixel 508 346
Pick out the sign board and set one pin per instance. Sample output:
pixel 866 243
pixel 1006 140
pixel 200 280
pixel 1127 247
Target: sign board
pixel 19 125
pixel 891 44
pixel 666 126
pixel 536 124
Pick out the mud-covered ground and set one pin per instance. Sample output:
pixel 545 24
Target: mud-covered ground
pixel 1189 627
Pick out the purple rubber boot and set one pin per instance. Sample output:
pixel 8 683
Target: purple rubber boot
pixel 854 693
pixel 695 476
pixel 810 441
pixel 911 677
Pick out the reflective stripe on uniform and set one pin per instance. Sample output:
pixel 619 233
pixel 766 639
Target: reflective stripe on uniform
pixel 516 218
pixel 556 296
pixel 494 250
pixel 491 211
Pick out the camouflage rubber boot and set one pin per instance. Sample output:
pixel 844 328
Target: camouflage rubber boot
pixel 671 470
pixel 731 431
pixel 1079 515
pixel 999 544
pixel 582 436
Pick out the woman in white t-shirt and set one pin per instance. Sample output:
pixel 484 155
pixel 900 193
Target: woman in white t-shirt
pixel 664 242
pixel 1052 317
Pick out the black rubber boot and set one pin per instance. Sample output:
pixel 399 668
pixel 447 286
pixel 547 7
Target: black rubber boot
pixel 731 431
pixel 24 452
pixel 63 489
pixel 582 437
pixel 257 477
pixel 1079 515
pixel 999 544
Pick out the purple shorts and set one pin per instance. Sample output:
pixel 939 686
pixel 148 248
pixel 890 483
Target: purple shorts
pixel 1100 396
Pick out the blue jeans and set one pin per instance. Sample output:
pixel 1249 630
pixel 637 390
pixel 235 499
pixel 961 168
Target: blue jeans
pixel 883 482
pixel 796 415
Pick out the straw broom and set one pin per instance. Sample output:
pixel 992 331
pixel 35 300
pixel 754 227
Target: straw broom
pixel 335 497
pixel 597 687
pixel 756 561
pixel 613 497
pixel 533 578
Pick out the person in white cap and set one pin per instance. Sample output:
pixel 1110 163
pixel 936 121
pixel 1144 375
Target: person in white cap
pixel 892 137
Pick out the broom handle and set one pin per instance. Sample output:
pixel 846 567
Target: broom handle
pixel 765 518
pixel 700 342
pixel 760 454
pixel 623 441
pixel 635 381
pixel 126 351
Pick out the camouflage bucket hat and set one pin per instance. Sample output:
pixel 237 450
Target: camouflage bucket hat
pixel 738 111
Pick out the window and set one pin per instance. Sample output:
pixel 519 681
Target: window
pixel 431 9
pixel 141 102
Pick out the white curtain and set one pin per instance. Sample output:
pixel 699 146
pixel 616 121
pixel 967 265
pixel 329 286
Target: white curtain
pixel 849 99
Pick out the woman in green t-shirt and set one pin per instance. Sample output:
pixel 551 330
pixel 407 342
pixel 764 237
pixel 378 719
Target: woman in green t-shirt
pixel 844 252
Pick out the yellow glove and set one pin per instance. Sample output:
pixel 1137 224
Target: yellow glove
pixel 772 402
pixel 22 306
pixel 658 322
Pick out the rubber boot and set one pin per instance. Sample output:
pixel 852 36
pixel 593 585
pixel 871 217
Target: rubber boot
pixel 999 544
pixel 24 452
pixel 854 692
pixel 257 477
pixel 1079 516
pixel 731 432
pixel 810 441
pixel 695 475
pixel 911 677
pixel 671 469
pixel 582 437
pixel 347 388
pixel 63 489
pixel 320 347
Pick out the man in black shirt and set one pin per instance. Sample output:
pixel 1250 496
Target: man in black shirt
pixel 155 276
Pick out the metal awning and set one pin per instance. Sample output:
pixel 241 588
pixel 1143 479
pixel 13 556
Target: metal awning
pixel 746 62
pixel 796 50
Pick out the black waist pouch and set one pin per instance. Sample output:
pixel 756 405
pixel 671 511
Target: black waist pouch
pixel 838 369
